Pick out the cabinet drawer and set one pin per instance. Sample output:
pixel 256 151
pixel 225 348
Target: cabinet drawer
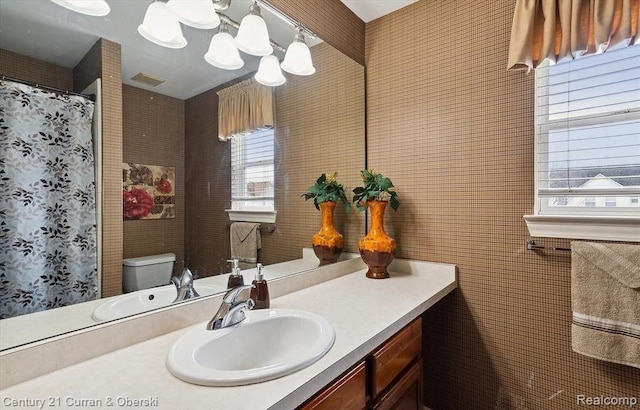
pixel 405 393
pixel 346 393
pixel 395 355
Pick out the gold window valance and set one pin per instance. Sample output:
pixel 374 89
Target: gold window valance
pixel 244 107
pixel 561 29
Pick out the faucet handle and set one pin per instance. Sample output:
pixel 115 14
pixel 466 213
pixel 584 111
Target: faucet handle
pixel 232 296
pixel 232 310
pixel 186 278
pixel 184 286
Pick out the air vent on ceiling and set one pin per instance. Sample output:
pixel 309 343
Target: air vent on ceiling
pixel 147 79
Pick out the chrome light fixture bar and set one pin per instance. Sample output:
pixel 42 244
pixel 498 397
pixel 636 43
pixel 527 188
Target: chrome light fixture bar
pixel 294 23
pixel 268 74
pixel 161 25
pixel 221 4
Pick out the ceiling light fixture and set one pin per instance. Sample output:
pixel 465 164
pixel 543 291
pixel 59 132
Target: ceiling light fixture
pixel 222 50
pixel 97 8
pixel 221 4
pixel 195 13
pixel 161 27
pixel 269 72
pixel 297 60
pixel 253 36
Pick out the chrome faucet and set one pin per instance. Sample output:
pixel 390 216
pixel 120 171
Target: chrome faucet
pixel 184 286
pixel 233 309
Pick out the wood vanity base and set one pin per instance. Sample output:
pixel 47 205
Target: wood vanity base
pixel 390 377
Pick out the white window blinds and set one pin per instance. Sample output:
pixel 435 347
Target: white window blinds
pixel 252 171
pixel 588 135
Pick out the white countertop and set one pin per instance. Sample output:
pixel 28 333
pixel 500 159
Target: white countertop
pixel 23 329
pixel 363 312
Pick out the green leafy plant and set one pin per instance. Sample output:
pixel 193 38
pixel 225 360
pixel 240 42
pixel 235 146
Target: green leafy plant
pixel 375 186
pixel 327 188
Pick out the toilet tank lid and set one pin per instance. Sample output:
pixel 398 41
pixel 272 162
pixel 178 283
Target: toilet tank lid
pixel 149 260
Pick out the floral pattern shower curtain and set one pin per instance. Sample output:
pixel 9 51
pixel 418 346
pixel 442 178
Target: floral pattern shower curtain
pixel 47 200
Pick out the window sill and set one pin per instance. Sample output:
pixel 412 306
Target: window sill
pixel 251 216
pixel 611 228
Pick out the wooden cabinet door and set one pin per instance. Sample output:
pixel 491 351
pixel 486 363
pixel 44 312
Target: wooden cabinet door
pixel 405 393
pixel 392 375
pixel 395 355
pixel 347 393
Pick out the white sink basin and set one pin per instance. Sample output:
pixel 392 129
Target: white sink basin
pixel 269 343
pixel 144 301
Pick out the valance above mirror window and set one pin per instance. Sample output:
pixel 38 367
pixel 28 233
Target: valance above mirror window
pixel 557 30
pixel 243 108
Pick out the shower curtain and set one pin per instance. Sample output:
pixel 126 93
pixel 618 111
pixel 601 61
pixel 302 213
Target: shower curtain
pixel 47 200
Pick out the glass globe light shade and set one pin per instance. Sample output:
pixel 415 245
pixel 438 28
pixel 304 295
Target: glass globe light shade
pixel 297 59
pixel 89 7
pixel 161 27
pixel 223 52
pixel 195 13
pixel 253 36
pixel 269 72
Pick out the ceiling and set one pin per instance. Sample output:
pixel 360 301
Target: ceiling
pixel 48 32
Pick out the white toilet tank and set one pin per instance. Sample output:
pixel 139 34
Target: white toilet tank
pixel 147 271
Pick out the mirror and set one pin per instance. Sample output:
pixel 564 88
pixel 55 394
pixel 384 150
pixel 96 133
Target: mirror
pixel 319 128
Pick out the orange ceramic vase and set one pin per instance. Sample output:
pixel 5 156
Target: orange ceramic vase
pixel 377 248
pixel 328 242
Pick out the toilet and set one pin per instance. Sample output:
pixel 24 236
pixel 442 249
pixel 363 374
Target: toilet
pixel 147 271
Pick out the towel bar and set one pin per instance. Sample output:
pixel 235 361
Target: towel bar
pixel 531 246
pixel 264 228
pixel 267 228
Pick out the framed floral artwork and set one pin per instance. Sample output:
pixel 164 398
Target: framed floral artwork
pixel 148 191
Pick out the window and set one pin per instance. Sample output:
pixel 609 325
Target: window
pixel 252 173
pixel 611 202
pixel 588 138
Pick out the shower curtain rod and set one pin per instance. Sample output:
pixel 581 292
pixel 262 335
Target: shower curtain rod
pixel 91 97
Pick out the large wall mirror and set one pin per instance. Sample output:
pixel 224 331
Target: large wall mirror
pixel 319 128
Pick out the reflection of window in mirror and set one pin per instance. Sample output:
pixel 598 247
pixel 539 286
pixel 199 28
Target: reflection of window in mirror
pixel 252 171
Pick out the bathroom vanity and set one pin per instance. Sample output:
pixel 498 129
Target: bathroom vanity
pixel 376 357
pixel 388 377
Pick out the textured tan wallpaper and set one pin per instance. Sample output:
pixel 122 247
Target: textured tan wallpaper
pixel 331 20
pixel 153 134
pixel 208 187
pixel 111 168
pixel 319 129
pixel 36 71
pixel 454 131
pixel 103 61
